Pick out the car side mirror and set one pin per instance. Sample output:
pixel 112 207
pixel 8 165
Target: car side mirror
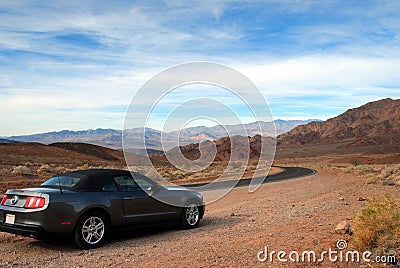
pixel 149 189
pixel 152 189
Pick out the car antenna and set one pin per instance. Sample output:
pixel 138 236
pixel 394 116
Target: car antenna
pixel 59 183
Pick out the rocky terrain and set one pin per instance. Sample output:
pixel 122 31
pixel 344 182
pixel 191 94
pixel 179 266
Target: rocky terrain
pixel 224 148
pixel 29 164
pixel 356 156
pixel 371 128
pixel 374 123
pixel 299 214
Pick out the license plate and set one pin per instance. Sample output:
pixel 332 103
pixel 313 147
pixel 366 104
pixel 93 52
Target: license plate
pixel 10 219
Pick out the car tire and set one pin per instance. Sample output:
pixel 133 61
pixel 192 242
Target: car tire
pixel 91 230
pixel 190 216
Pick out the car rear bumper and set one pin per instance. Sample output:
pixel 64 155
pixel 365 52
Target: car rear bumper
pixel 23 229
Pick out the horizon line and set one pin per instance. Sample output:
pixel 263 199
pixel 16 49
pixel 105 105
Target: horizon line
pixel 108 128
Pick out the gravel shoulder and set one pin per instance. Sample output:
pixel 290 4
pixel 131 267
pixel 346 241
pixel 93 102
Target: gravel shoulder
pixel 298 214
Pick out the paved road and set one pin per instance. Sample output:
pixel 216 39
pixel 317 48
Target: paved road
pixel 286 174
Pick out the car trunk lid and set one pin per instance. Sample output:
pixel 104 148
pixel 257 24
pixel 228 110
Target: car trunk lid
pixel 28 198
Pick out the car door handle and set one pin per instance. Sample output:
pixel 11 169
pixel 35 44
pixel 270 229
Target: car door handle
pixel 128 198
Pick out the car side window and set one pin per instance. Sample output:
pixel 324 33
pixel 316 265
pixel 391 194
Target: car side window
pixel 110 186
pixel 144 183
pixel 126 184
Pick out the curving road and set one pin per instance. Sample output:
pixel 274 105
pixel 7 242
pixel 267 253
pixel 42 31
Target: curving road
pixel 286 174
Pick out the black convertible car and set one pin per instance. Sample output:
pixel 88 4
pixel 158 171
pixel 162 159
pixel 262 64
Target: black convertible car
pixel 88 204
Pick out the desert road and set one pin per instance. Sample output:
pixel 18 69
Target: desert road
pixel 286 174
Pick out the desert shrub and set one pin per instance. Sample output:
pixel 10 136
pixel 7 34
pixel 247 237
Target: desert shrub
pixel 354 163
pixel 372 180
pixel 82 167
pixel 375 172
pixel 21 170
pixel 111 167
pixel 213 172
pixel 386 173
pixel 44 169
pixel 377 227
pixel 60 169
pixel 139 169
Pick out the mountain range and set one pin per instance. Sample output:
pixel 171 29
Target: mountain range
pixel 6 141
pixel 376 122
pixel 112 138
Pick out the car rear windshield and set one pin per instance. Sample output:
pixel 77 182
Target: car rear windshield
pixel 64 181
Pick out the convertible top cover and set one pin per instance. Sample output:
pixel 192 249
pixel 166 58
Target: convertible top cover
pixel 95 179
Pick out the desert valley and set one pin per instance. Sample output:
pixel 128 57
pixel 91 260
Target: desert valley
pixel 356 156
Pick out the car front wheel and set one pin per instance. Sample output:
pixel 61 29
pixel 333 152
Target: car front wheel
pixel 190 217
pixel 91 230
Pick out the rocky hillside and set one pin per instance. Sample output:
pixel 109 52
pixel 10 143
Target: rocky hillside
pixel 90 149
pixel 374 123
pixel 223 148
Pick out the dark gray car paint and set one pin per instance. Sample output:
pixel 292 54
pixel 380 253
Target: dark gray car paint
pixel 123 208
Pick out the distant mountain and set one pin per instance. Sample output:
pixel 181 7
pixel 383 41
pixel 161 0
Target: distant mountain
pixel 97 136
pixel 376 122
pixel 197 134
pixel 112 138
pixel 6 141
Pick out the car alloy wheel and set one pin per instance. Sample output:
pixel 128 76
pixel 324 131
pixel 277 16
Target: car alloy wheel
pixel 93 230
pixel 192 215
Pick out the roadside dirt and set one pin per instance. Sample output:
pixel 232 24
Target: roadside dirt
pixel 298 214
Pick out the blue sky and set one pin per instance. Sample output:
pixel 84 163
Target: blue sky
pixel 77 64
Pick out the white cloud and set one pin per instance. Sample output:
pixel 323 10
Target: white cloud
pixel 331 75
pixel 352 57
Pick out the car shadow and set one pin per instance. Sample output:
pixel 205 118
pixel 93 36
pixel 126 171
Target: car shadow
pixel 151 233
pixel 55 244
pixel 65 244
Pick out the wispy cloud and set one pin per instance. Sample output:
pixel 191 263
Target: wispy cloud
pixel 70 64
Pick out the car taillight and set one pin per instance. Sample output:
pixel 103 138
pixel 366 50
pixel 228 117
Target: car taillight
pixel 3 200
pixel 34 202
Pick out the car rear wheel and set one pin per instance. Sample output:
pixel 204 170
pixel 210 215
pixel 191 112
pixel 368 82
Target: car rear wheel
pixel 91 230
pixel 190 217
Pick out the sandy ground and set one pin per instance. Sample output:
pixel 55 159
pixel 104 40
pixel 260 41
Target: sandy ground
pixel 298 214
